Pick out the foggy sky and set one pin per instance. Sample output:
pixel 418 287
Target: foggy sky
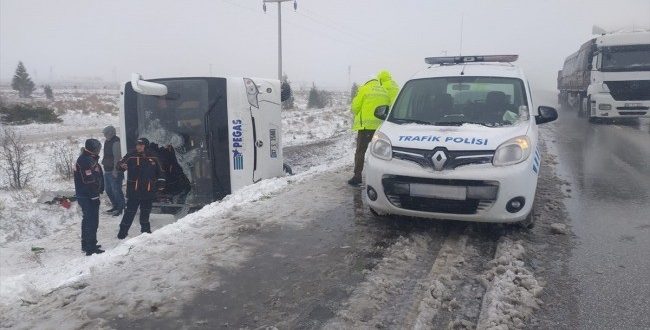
pixel 81 39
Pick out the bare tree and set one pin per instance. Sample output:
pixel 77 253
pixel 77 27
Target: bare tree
pixel 64 158
pixel 15 159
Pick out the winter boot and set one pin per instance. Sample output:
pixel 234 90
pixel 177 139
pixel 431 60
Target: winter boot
pixel 111 210
pixel 117 213
pixel 145 228
pixel 354 182
pixel 94 251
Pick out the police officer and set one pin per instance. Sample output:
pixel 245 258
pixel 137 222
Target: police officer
pixel 391 87
pixel 113 177
pixel 144 178
pixel 89 184
pixel 370 96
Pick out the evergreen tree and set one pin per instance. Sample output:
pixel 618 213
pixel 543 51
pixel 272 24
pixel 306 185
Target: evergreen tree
pixel 354 91
pixel 317 99
pixel 21 81
pixel 47 89
pixel 286 94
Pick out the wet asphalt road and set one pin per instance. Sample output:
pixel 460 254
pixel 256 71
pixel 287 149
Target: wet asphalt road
pixel 608 168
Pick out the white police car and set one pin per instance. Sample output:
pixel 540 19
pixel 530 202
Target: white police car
pixel 459 143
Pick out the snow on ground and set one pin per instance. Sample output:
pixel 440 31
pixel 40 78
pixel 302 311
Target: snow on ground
pixel 41 264
pixel 72 120
pixel 21 217
pixel 512 289
pixel 146 273
pixel 302 125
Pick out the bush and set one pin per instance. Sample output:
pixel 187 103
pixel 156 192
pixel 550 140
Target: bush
pixel 317 98
pixel 64 159
pixel 22 114
pixel 47 89
pixel 15 159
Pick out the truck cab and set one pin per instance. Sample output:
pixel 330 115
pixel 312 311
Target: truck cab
pixel 620 76
pixel 217 134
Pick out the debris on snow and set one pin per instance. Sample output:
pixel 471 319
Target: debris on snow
pixel 559 229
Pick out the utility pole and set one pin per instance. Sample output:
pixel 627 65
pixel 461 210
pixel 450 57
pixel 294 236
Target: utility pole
pixel 295 7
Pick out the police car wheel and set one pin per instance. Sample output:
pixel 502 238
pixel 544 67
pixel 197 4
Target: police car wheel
pixel 376 214
pixel 529 222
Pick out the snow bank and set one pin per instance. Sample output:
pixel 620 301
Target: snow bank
pixel 145 272
pixel 512 290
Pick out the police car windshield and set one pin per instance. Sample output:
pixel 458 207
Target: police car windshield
pixel 454 101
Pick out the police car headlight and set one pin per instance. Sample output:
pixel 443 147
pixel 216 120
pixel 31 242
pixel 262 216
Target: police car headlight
pixel 513 151
pixel 381 146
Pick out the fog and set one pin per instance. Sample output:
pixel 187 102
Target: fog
pixel 77 40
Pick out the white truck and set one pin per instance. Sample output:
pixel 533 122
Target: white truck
pixel 608 77
pixel 223 132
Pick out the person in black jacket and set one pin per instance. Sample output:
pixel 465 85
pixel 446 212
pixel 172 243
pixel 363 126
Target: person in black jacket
pixel 144 178
pixel 89 184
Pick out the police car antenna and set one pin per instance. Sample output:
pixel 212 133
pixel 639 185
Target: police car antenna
pixel 462 21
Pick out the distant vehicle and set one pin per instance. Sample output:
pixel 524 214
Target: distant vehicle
pixel 225 133
pixel 459 143
pixel 608 77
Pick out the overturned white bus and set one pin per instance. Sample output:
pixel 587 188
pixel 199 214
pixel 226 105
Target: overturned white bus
pixel 217 134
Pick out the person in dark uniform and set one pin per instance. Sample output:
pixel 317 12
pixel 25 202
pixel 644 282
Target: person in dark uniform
pixel 89 184
pixel 113 177
pixel 144 178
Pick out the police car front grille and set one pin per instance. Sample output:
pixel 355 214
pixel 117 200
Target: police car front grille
pixel 393 188
pixel 455 158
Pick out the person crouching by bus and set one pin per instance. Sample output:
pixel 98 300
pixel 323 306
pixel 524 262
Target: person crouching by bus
pixel 144 178
pixel 89 184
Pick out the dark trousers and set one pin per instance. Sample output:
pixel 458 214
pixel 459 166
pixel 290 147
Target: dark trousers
pixel 132 205
pixel 113 187
pixel 363 139
pixel 89 222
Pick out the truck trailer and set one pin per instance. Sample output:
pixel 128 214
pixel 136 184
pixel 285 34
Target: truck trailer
pixel 608 77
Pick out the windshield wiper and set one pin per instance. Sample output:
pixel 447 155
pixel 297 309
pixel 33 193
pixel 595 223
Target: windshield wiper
pixel 448 123
pixel 411 121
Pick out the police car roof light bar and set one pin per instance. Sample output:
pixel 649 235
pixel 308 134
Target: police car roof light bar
pixel 470 59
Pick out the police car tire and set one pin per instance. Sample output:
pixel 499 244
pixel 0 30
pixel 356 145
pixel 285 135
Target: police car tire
pixel 529 222
pixel 377 215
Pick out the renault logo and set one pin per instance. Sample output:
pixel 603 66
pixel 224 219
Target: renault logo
pixel 439 159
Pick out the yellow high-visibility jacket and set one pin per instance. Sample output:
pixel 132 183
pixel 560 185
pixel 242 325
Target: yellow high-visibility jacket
pixel 370 96
pixel 389 84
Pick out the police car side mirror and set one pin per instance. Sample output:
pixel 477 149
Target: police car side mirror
pixel 546 114
pixel 381 112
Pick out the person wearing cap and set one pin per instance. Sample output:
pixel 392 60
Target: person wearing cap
pixel 113 177
pixel 391 87
pixel 89 184
pixel 370 96
pixel 145 177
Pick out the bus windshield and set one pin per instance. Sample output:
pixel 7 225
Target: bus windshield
pixel 454 101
